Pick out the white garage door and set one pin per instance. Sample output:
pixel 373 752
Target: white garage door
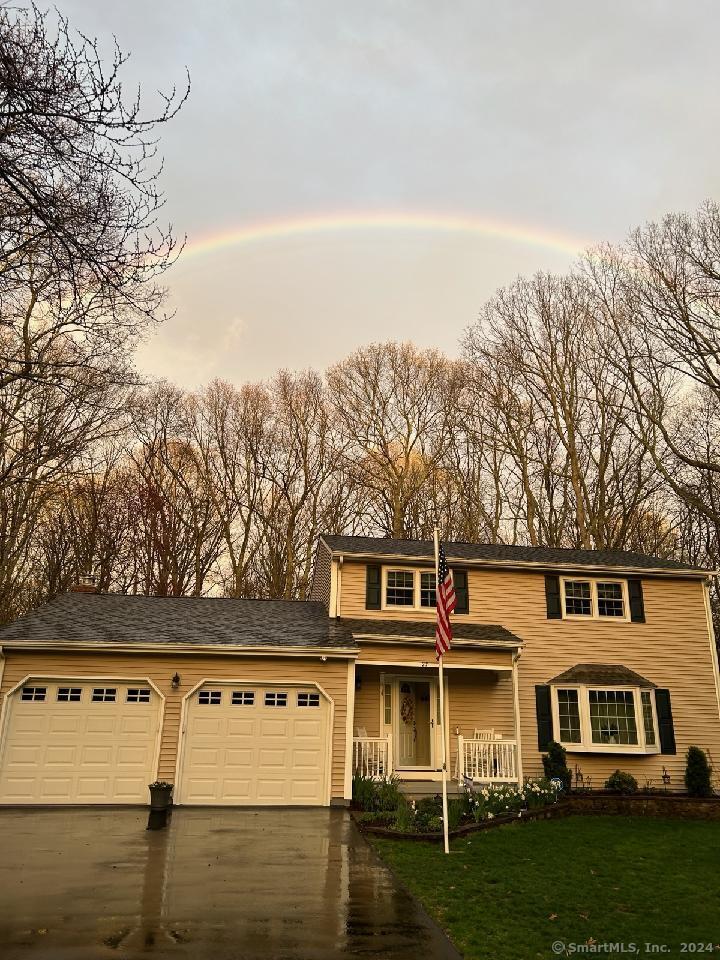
pixel 75 741
pixel 247 744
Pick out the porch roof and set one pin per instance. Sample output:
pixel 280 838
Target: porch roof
pixel 487 634
pixel 613 674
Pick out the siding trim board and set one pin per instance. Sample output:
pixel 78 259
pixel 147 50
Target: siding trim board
pixel 426 642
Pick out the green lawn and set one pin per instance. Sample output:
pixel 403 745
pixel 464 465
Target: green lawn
pixel 510 893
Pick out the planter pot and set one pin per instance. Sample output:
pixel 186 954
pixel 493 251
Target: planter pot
pixel 160 797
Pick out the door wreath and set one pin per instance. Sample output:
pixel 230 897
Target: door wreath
pixel 407 711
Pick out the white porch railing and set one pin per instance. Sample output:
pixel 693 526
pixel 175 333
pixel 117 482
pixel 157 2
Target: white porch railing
pixel 487 761
pixel 372 757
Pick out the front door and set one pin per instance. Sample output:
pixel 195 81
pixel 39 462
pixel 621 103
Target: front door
pixel 415 724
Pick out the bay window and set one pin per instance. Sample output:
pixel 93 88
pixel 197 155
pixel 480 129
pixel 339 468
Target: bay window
pixel 593 719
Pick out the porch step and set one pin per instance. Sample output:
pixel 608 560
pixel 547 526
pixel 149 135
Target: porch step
pixel 417 789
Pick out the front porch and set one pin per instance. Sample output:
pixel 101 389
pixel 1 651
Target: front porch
pixel 477 761
pixel 397 725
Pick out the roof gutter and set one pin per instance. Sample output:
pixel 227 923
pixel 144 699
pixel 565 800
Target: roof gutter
pixel 342 653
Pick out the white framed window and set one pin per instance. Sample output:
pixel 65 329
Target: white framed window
pixel 399 588
pixel 276 699
pixel 36 694
pixel 210 698
pixel 405 588
pixel 308 699
pixel 243 698
pixel 594 599
pixel 69 694
pixel 104 694
pixel 605 719
pixel 138 695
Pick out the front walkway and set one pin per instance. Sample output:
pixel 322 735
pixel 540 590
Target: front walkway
pixel 220 884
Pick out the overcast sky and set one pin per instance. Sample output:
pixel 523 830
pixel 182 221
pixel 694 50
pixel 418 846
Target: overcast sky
pixel 573 119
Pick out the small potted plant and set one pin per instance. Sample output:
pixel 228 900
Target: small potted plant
pixel 160 795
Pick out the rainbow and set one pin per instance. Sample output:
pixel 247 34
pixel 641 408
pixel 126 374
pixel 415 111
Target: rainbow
pixel 279 229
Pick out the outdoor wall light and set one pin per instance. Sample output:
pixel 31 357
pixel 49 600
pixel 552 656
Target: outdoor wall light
pixel 175 681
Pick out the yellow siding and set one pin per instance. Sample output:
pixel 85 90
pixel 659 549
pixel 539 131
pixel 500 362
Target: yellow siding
pixel 672 649
pixel 331 675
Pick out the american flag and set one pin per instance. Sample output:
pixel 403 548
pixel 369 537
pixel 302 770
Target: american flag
pixel 445 601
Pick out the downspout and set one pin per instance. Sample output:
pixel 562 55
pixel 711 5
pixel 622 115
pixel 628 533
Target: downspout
pixel 516 710
pixel 338 591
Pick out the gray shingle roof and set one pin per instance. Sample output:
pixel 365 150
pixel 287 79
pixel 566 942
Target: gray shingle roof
pixel 612 674
pixel 425 630
pixel 503 553
pixel 115 618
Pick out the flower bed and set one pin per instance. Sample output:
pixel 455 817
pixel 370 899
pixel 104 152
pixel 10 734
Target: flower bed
pixel 384 810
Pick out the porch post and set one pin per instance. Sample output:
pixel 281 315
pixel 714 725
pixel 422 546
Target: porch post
pixel 516 711
pixel 349 720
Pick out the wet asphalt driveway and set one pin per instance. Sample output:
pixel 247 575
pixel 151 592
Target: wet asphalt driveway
pixel 227 884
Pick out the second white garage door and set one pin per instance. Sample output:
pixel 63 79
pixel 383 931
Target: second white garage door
pixel 248 744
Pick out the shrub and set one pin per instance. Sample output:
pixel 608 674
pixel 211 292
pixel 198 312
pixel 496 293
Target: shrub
pixel 375 795
pixel 698 773
pixel 621 782
pixel 404 820
pixel 387 794
pixel 555 765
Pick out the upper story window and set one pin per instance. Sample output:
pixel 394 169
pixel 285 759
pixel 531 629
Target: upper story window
pixel 594 599
pixel 400 588
pixel 413 589
pixel 397 587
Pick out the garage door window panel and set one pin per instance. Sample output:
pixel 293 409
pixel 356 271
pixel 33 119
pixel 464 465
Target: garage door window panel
pixel 138 695
pixel 36 694
pixel 210 697
pixel 69 694
pixel 104 694
pixel 308 699
pixel 276 699
pixel 243 698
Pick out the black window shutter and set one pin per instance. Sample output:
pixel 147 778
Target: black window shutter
pixel 552 597
pixel 665 721
pixel 544 716
pixel 372 587
pixel 460 579
pixel 635 595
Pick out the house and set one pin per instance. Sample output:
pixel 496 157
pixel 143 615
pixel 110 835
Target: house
pixel 279 702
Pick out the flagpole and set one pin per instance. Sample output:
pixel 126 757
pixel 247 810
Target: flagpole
pixel 436 538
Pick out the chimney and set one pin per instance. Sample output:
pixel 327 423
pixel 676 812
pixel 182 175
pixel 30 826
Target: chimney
pixel 85 585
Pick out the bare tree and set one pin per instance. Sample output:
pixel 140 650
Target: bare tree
pixel 79 197
pixel 396 406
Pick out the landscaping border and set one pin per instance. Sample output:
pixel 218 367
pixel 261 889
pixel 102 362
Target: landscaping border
pixel 600 802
